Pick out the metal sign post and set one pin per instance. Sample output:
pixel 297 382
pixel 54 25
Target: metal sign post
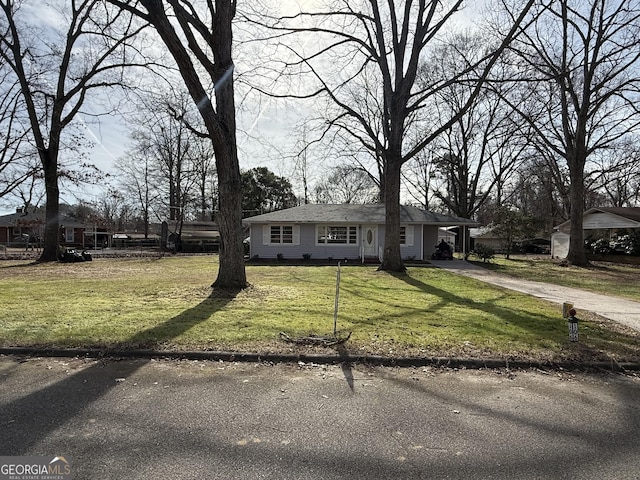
pixel 335 308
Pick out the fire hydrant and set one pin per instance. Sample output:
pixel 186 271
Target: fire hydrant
pixel 572 321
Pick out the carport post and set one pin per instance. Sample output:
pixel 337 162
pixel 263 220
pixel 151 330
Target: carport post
pixel 464 242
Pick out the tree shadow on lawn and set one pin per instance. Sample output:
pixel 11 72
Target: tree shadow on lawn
pixel 504 269
pixel 176 326
pixel 20 265
pixel 489 307
pixel 40 413
pixel 541 330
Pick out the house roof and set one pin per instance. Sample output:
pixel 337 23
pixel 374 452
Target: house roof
pixel 632 213
pixel 349 213
pixel 30 219
pixel 629 213
pixel 483 232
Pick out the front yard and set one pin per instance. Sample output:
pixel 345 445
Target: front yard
pixel 602 277
pixel 166 303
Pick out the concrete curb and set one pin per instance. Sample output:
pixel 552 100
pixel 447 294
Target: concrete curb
pixel 443 362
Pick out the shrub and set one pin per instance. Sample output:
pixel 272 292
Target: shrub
pixel 280 256
pixel 623 244
pixel 484 252
pixel 601 245
pixel 306 256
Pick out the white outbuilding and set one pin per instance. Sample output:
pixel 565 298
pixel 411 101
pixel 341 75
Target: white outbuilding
pixel 610 219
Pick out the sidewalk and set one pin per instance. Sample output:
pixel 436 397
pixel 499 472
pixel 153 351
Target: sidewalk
pixel 623 311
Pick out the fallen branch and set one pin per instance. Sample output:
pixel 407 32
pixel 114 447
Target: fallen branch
pixel 325 341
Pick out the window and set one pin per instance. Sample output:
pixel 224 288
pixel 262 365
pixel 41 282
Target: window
pixel 406 235
pixel 337 235
pixel 68 235
pixel 281 234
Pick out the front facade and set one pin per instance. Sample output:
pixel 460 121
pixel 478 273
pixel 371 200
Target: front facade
pixel 353 232
pixel 27 229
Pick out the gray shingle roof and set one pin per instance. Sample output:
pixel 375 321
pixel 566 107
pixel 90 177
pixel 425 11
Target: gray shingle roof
pixel 17 219
pixel 631 213
pixel 349 213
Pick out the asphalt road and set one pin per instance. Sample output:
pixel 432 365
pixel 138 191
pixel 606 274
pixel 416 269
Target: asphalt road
pixel 166 419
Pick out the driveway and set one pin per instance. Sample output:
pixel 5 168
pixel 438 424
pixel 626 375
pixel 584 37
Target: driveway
pixel 162 419
pixel 623 311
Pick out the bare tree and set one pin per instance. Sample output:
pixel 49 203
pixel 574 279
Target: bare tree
pixel 115 211
pixel 617 174
pixel 480 152
pixel 18 160
pixel 347 184
pixel 541 191
pixel 166 141
pixel 56 72
pixel 199 38
pixel 134 182
pixel 368 56
pixel 203 172
pixel 581 61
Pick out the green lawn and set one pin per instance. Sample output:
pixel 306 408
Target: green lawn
pixel 167 303
pixel 607 278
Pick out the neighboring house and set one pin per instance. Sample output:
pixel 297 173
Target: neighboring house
pixel 18 228
pixel 192 236
pixel 487 237
pixel 606 219
pixel 354 232
pixel 448 235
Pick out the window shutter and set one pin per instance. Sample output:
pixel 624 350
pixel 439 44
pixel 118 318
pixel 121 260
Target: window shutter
pixel 409 235
pixel 266 234
pixel 296 234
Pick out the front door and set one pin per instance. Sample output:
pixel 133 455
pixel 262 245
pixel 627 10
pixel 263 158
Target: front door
pixel 370 240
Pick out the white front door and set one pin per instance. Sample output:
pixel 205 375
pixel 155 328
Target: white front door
pixel 370 240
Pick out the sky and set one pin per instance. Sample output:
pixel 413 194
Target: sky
pixel 266 130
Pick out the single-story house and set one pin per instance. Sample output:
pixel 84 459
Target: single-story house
pixel 610 219
pixel 486 236
pixel 20 227
pixel 354 232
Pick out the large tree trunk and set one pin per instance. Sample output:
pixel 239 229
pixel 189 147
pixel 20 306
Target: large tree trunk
pixel 576 255
pixel 231 273
pixel 391 258
pixel 221 127
pixel 51 239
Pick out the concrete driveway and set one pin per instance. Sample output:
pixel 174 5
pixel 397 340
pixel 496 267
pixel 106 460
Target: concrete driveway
pixel 621 310
pixel 145 419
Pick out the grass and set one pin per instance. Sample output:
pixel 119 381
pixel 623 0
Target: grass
pixel 167 303
pixel 606 278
